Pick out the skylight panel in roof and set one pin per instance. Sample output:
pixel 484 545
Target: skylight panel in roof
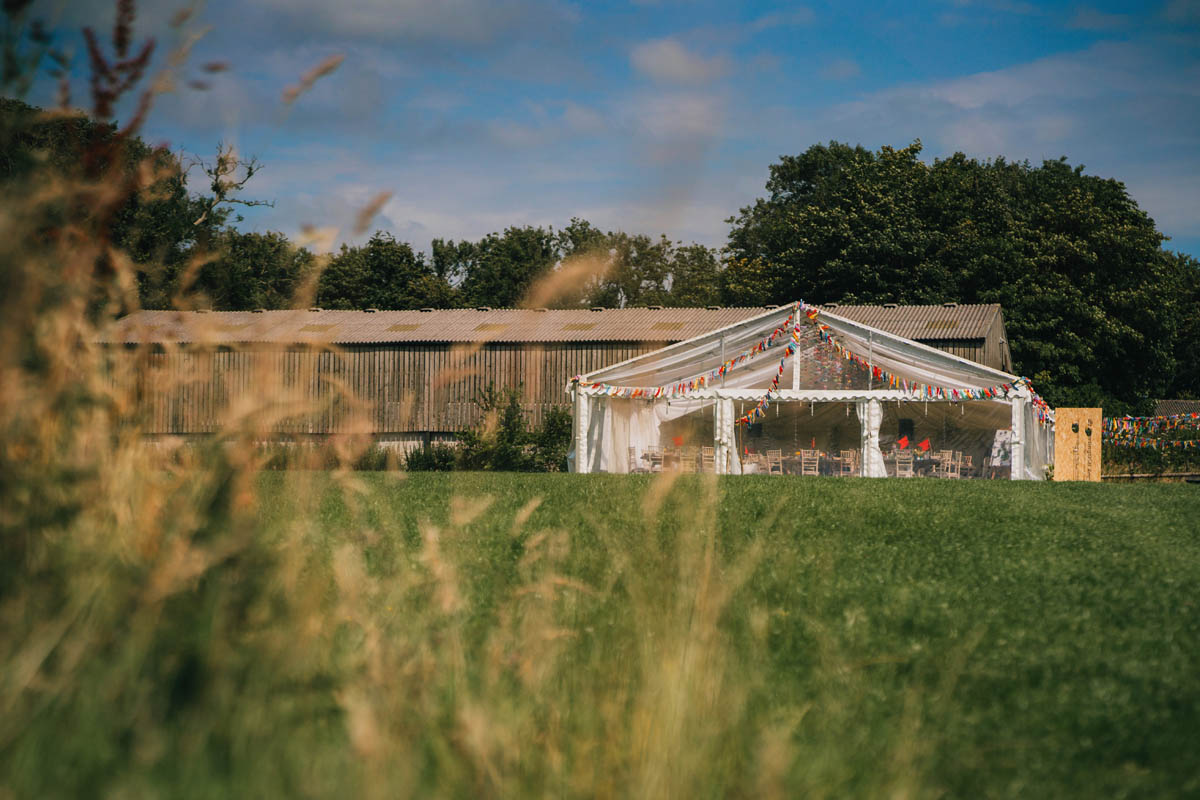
pixel 491 326
pixel 400 327
pixel 316 328
pixel 667 326
pixel 579 326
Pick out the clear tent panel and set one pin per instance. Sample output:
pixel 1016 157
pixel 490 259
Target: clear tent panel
pixel 947 440
pixel 834 386
pixel 636 436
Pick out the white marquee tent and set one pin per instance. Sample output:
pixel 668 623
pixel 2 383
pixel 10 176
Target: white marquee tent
pixel 800 380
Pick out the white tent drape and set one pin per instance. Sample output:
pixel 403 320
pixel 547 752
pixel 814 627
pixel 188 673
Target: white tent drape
pixel 871 415
pixel 818 374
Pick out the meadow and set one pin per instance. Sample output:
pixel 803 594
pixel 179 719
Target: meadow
pixel 474 634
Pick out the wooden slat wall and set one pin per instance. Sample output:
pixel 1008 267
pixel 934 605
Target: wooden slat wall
pixel 400 388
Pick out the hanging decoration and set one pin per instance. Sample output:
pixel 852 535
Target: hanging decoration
pixel 699 382
pixel 1132 431
pixel 1120 427
pixel 927 390
pixel 1143 442
pixel 760 408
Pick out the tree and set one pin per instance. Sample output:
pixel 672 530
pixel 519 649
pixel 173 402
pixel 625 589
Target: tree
pixel 384 273
pixel 640 270
pixel 1186 382
pixel 254 270
pixel 499 270
pixel 1091 303
pixel 154 224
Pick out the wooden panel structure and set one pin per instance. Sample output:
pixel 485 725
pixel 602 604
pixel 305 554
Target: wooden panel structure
pixel 405 372
pixel 379 389
pixel 1077 444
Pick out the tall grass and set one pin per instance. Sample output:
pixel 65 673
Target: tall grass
pixel 158 637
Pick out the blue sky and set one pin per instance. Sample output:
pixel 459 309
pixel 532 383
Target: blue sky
pixel 662 117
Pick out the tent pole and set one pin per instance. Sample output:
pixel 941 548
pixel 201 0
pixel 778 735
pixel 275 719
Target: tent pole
pixel 730 432
pixel 1017 453
pixel 582 423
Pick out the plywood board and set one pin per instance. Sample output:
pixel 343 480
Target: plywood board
pixel 1077 444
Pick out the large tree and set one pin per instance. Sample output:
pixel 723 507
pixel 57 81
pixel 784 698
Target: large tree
pixel 500 268
pixel 1091 300
pixel 254 270
pixel 157 223
pixel 384 273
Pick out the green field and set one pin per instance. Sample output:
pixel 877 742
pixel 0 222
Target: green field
pixel 508 635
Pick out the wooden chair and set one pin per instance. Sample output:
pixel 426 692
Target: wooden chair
pixel 848 465
pixel 904 464
pixel 687 460
pixel 774 462
pixel 968 468
pixel 635 464
pixel 708 459
pixel 945 467
pixel 810 462
pixel 755 463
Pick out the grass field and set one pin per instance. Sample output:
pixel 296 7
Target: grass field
pixel 965 639
pixel 519 635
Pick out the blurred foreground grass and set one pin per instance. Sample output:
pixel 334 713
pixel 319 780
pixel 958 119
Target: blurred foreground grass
pixel 481 634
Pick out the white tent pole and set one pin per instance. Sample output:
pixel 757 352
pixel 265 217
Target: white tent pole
pixel 731 443
pixel 870 360
pixel 718 434
pixel 582 423
pixel 1017 453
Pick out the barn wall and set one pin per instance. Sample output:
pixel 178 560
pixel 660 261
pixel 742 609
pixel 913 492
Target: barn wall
pixel 970 349
pixel 399 388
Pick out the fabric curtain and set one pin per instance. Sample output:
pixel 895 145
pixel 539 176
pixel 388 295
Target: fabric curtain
pixel 870 415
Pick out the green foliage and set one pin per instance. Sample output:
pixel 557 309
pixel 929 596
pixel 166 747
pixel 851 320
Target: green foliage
pixel 385 274
pixel 500 268
pixel 151 219
pixel 1091 301
pixel 503 443
pixel 1187 337
pixel 254 270
pixel 437 457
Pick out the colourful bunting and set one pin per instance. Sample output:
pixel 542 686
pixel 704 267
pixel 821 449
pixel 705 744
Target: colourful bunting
pixel 684 388
pixel 699 382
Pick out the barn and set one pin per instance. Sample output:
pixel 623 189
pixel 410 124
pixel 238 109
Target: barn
pixel 418 374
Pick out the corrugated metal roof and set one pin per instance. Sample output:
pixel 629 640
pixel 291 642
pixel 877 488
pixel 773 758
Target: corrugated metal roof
pixel 924 323
pixel 513 325
pixel 449 325
pixel 1167 408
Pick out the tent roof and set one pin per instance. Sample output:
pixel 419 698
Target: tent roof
pixel 821 368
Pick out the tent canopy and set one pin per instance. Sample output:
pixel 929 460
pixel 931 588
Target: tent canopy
pixel 817 366
pixel 790 354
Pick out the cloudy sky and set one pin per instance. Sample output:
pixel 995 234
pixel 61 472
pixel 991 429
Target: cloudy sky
pixel 662 116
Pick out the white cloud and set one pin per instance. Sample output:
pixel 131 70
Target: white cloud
pixel 780 19
pixel 1126 110
pixel 841 69
pixel 452 21
pixel 677 117
pixel 1090 19
pixel 582 119
pixel 668 61
pixel 1182 11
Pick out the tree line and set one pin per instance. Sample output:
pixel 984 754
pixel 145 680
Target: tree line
pixel 1098 311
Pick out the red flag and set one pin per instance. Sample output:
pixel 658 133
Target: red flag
pixel 923 444
pixel 678 440
pixel 903 442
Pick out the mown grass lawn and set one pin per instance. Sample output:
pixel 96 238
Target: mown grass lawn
pixel 930 638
